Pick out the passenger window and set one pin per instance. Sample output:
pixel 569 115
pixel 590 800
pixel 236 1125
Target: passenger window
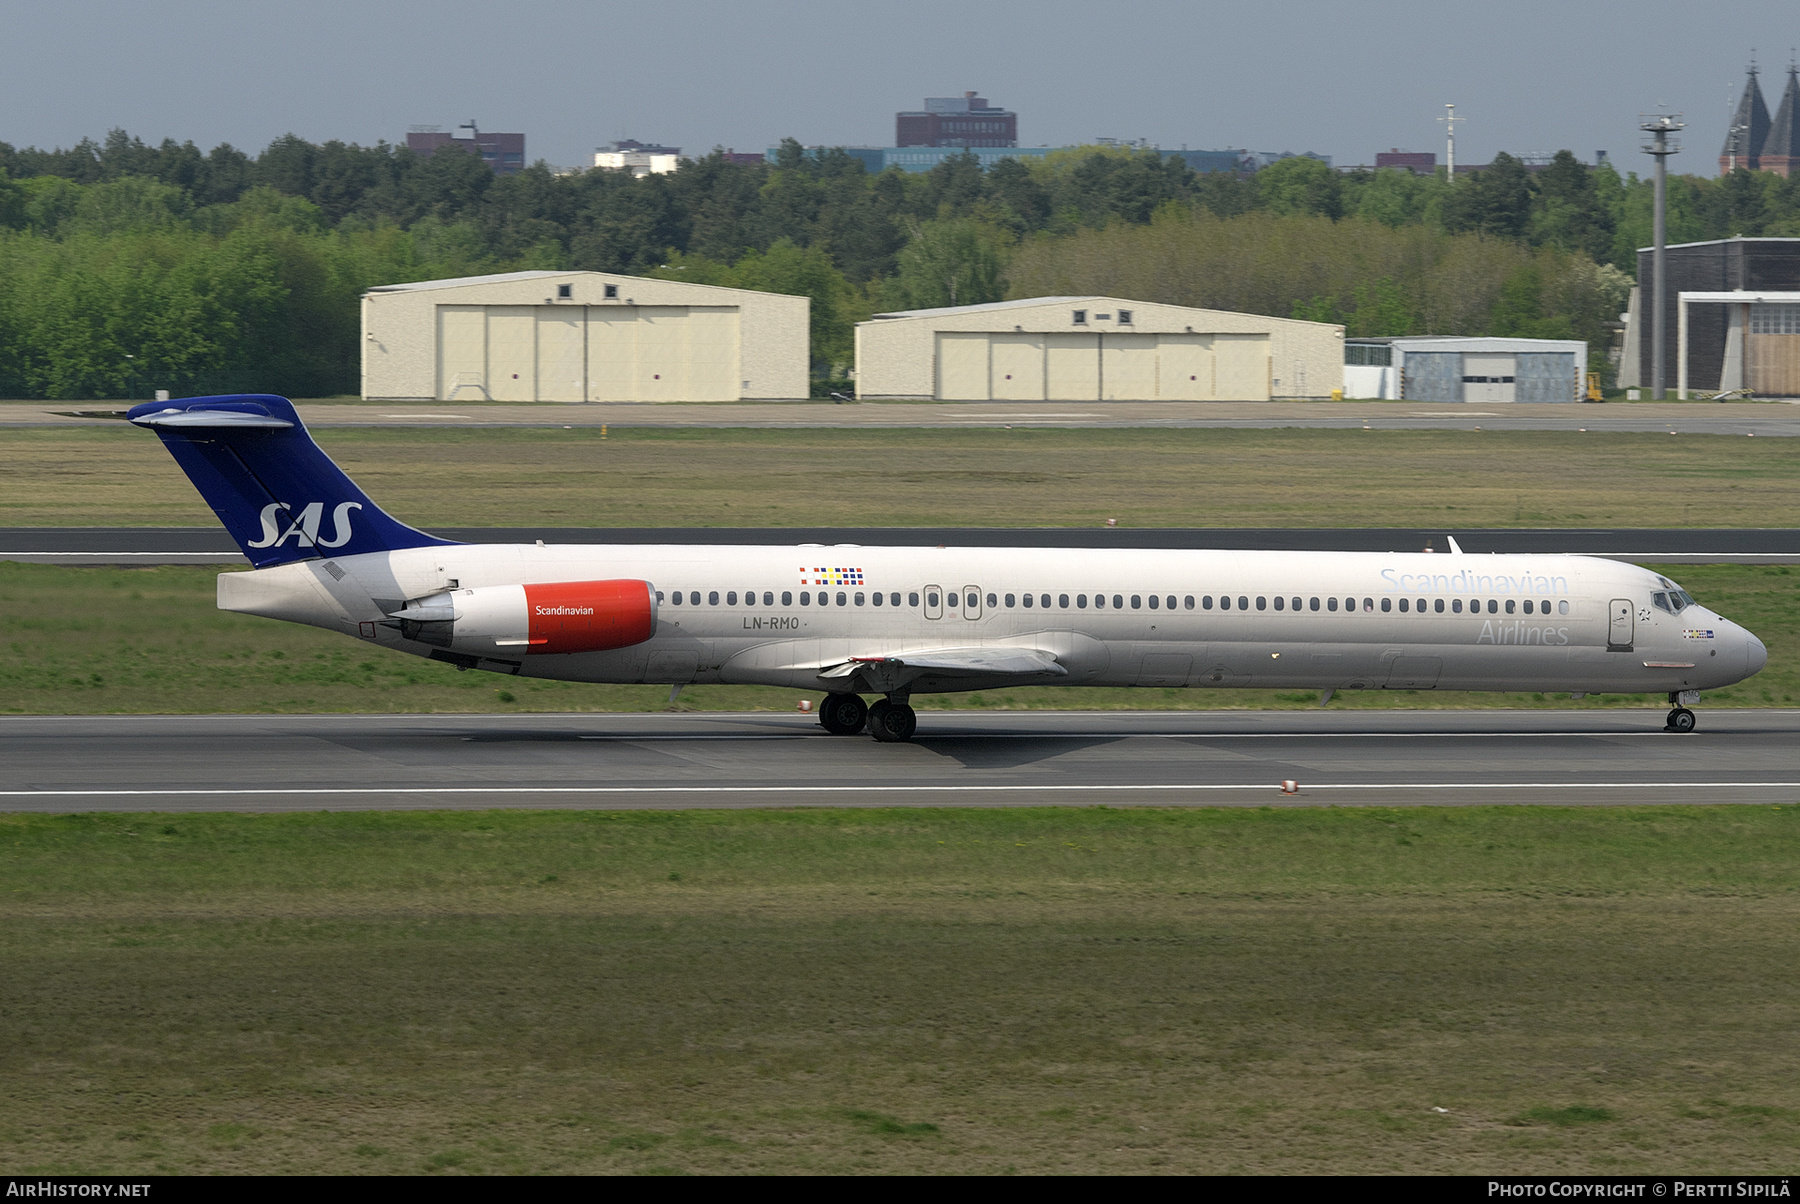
pixel 1062 600
pixel 1330 604
pixel 1119 602
pixel 840 597
pixel 1403 605
pixel 931 600
pixel 712 599
pixel 1205 603
pixel 974 601
pixel 1297 604
pixel 912 599
pixel 1456 606
pixel 1153 601
pixel 731 598
pixel 1224 602
pixel 1044 601
pixel 1279 602
pixel 859 599
pixel 806 597
pixel 992 603
pixel 1369 606
pixel 1099 601
pixel 1438 606
pixel 1509 606
pixel 824 598
pixel 659 597
pixel 1028 600
pixel 1562 608
pixel 1528 606
pixel 876 599
pixel 1387 604
pixel 1172 602
pixel 1009 599
pixel 1314 604
pixel 787 597
pixel 1080 601
pixel 1261 604
pixel 769 599
pixel 1243 602
pixel 951 600
pixel 894 599
pixel 676 598
pixel 694 597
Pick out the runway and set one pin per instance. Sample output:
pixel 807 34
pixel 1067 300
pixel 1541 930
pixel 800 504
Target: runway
pixel 212 545
pixel 1693 418
pixel 960 759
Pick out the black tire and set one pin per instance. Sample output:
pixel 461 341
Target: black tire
pixel 843 714
pixel 892 723
pixel 1681 720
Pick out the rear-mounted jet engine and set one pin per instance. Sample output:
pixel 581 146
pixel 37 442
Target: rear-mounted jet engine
pixel 562 616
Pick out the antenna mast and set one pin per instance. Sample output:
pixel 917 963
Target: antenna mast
pixel 1659 126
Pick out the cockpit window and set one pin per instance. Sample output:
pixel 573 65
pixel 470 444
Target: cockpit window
pixel 1674 601
pixel 1660 600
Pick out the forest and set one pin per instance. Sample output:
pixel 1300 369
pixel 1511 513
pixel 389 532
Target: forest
pixel 127 267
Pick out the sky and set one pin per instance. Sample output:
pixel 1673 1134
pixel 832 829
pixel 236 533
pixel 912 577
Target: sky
pixel 1339 78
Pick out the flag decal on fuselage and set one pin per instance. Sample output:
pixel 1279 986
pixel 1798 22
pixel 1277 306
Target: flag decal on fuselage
pixel 824 576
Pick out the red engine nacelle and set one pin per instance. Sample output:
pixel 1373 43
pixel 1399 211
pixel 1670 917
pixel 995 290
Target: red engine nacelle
pixel 589 616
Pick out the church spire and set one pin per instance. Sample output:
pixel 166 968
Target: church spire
pixel 1780 150
pixel 1749 127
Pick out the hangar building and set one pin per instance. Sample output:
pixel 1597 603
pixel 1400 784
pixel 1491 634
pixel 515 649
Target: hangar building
pixel 581 336
pixel 1450 368
pixel 1094 349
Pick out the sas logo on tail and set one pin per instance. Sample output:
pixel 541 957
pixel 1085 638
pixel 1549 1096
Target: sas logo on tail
pixel 304 526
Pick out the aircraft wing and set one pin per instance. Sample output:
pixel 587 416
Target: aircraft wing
pixel 886 673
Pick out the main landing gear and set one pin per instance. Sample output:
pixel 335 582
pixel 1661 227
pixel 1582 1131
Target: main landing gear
pixel 1680 719
pixel 888 721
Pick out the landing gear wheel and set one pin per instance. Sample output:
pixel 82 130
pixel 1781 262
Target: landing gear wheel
pixel 892 722
pixel 843 714
pixel 1680 720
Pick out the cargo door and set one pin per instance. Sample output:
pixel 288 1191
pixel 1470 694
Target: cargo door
pixel 662 353
pixel 1072 366
pixel 712 353
pixel 1414 672
pixel 462 351
pixel 562 353
pixel 611 353
pixel 512 352
pixel 1184 368
pixel 1241 367
pixel 962 367
pixel 1619 625
pixel 1164 669
pixel 1018 367
pixel 1128 367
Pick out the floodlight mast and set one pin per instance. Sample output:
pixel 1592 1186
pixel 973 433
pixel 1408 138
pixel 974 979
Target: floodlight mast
pixel 1659 126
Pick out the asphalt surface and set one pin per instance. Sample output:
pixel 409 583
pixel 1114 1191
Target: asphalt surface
pixel 667 761
pixel 211 545
pixel 1714 418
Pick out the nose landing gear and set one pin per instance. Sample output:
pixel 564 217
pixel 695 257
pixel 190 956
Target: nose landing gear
pixel 1680 719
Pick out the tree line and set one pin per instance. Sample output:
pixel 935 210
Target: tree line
pixel 126 266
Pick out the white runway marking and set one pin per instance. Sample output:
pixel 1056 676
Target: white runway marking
pixel 264 792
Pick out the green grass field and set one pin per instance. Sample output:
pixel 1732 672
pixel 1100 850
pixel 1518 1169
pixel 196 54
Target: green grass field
pixel 1492 990
pixel 138 641
pixel 113 475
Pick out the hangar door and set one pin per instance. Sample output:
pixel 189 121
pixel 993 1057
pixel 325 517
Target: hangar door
pixel 591 353
pixel 1083 366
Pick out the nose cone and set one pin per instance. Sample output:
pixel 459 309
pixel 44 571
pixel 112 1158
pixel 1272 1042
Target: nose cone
pixel 1755 655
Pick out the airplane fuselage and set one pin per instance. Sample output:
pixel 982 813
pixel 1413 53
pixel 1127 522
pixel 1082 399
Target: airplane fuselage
pixel 785 616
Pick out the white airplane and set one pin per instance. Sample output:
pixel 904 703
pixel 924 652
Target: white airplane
pixel 893 622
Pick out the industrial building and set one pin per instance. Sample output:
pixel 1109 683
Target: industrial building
pixel 1450 369
pixel 1094 349
pixel 581 336
pixel 966 120
pixel 1757 270
pixel 503 153
pixel 639 158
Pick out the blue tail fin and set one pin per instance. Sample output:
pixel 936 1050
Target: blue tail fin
pixel 278 494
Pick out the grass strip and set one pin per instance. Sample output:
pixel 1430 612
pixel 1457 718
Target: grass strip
pixel 1491 990
pixel 646 477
